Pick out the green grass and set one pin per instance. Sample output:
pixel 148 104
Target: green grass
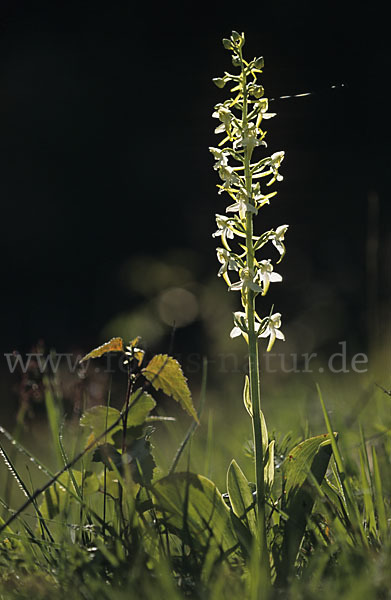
pixel 105 530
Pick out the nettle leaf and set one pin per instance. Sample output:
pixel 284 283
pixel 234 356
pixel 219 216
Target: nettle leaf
pixel 306 461
pixel 137 457
pixel 194 509
pixel 100 418
pixel 165 373
pixel 108 455
pixel 240 496
pixel 142 464
pixel 114 345
pixel 143 405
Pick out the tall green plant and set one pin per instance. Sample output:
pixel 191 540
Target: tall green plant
pixel 241 120
pixel 130 521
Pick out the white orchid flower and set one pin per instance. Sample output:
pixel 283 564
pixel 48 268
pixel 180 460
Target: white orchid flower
pixel 228 175
pixel 247 281
pixel 223 228
pixel 260 200
pixel 220 156
pixel 249 138
pixel 266 275
pixel 241 206
pixel 225 116
pixel 273 330
pixel 226 260
pixel 276 160
pixel 278 238
pixel 236 331
pixel 241 318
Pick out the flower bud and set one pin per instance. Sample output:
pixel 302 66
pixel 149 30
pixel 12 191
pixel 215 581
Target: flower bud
pixel 257 91
pixel 219 81
pixel 227 44
pixel 259 63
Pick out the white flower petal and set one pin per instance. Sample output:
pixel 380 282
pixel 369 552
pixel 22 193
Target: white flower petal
pixel 271 341
pixel 281 230
pixel 276 319
pixel 266 333
pixel 238 314
pixel 254 287
pixel 235 332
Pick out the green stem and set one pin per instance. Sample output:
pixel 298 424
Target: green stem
pixel 253 348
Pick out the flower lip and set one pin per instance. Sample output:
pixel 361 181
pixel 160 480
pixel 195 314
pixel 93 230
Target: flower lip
pixel 273 330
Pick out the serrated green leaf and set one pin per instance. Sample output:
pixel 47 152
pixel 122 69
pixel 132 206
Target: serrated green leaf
pixel 240 496
pixel 137 457
pixel 143 405
pixel 165 373
pixel 114 345
pixel 142 462
pixel 100 418
pixel 108 455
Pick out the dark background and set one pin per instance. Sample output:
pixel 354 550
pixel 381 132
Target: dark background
pixel 105 126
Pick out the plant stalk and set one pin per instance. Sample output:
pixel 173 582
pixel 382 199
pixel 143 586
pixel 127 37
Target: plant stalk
pixel 253 349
